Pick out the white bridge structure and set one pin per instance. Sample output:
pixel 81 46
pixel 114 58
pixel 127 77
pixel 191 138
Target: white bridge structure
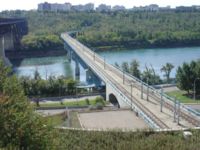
pixel 157 109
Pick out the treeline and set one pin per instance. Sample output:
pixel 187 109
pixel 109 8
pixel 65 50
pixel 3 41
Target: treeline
pixel 187 75
pixel 53 86
pixel 148 75
pixel 114 29
pixel 41 42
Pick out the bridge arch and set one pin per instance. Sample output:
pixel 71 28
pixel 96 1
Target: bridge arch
pixel 113 100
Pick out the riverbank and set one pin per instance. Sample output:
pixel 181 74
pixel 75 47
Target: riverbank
pixel 143 46
pixel 21 54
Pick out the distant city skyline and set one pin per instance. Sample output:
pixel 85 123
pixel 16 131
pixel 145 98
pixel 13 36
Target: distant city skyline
pixel 32 4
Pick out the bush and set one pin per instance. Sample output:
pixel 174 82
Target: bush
pixel 87 101
pixel 99 100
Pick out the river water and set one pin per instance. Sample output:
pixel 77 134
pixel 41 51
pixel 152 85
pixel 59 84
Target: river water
pixel 57 66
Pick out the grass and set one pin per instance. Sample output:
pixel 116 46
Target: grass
pixel 183 97
pixel 73 103
pixel 55 120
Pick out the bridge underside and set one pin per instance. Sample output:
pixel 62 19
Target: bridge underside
pixel 11 33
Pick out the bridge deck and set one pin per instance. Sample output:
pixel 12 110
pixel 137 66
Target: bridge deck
pixel 108 73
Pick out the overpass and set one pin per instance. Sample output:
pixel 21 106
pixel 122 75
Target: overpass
pixel 11 32
pixel 158 110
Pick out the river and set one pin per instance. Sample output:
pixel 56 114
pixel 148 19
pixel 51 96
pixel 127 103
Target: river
pixel 57 66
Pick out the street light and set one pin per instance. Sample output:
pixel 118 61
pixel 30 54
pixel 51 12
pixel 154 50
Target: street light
pixel 131 84
pixel 147 89
pixel 123 77
pixel 104 59
pixel 161 100
pixel 195 87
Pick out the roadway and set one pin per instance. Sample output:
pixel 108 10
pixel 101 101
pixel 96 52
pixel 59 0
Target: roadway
pixel 150 107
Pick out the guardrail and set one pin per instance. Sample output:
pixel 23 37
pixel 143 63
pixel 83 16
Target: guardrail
pixel 158 92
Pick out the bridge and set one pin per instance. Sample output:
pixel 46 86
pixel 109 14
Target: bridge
pixel 11 32
pixel 157 109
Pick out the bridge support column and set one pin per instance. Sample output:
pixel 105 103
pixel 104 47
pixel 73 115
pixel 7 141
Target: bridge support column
pixel 77 71
pixel 9 43
pixel 2 52
pixel 88 75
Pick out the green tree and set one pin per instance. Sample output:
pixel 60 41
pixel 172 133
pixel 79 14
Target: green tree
pixel 185 77
pixel 167 68
pixel 134 68
pixel 20 127
pixel 125 67
pixel 150 76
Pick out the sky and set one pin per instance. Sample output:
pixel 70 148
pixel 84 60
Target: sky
pixel 32 4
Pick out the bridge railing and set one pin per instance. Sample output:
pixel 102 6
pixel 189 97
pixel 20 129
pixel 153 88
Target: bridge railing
pixel 158 93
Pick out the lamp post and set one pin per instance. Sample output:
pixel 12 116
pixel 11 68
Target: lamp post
pixel 123 77
pixel 94 54
pixel 104 59
pixel 195 87
pixel 161 100
pixel 147 89
pixel 131 85
pixel 142 88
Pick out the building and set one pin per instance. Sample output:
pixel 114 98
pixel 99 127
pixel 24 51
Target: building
pixel 54 7
pixel 185 9
pixel 87 7
pixel 118 8
pixel 103 8
pixel 44 6
pixel 167 8
pixel 152 7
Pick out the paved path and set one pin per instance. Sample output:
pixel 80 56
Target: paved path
pixel 66 99
pixel 112 120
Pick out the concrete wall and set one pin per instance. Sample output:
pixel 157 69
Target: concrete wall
pixel 110 90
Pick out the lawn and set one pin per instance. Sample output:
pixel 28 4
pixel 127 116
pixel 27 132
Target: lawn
pixel 55 120
pixel 73 103
pixel 183 97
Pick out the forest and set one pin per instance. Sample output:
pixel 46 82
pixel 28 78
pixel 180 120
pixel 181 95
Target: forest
pixel 111 30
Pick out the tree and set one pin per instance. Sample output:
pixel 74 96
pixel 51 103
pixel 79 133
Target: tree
pixel 125 67
pixel 20 126
pixel 185 76
pixel 167 68
pixel 150 76
pixel 134 68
